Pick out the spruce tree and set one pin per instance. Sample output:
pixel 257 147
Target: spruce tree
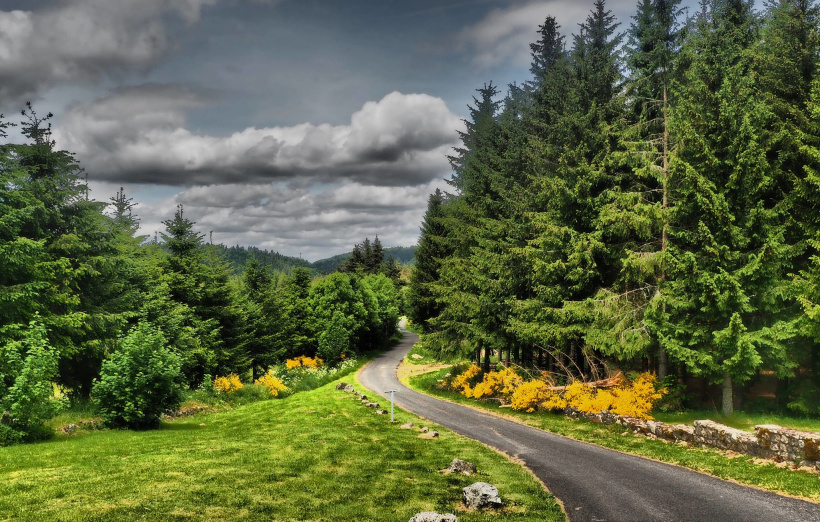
pixel 431 250
pixel 719 311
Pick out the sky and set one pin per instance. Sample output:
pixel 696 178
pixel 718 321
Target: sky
pixel 298 126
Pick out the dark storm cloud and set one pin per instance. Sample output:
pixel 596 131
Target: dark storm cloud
pixel 83 40
pixel 138 135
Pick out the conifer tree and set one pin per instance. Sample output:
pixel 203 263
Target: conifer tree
pixel 431 250
pixel 719 311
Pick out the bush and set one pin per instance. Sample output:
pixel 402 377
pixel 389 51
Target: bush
pixel 335 340
pixel 463 382
pixel 303 361
pixel 634 398
pixel 498 384
pixel 530 395
pixel 27 368
pixel 229 384
pixel 273 384
pixel 140 381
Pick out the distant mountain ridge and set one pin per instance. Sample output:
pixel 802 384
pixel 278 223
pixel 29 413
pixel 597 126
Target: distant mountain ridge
pixel 239 256
pixel 404 255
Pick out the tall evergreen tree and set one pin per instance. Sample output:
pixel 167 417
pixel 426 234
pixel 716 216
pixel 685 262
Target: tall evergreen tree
pixel 431 250
pixel 787 66
pixel 719 312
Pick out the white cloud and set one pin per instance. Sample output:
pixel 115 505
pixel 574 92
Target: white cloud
pixel 81 40
pixel 288 219
pixel 504 35
pixel 138 135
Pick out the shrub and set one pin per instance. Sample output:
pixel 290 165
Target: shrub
pixel 530 395
pixel 498 384
pixel 271 383
pixel 303 361
pixel 463 383
pixel 635 399
pixel 140 381
pixel 229 384
pixel 638 399
pixel 27 368
pixel 335 340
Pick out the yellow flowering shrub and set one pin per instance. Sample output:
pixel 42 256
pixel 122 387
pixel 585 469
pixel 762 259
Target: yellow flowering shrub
pixel 303 361
pixel 578 396
pixel 271 383
pixel 529 396
pixel 461 383
pixel 228 384
pixel 498 384
pixel 554 402
pixel 637 399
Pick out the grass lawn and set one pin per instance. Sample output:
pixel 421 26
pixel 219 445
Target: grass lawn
pixel 742 469
pixel 740 420
pixel 316 455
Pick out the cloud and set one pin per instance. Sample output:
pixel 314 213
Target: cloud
pixel 504 35
pixel 291 220
pixel 138 135
pixel 82 40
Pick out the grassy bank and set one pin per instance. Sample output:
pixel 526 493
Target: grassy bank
pixel 742 469
pixel 317 455
pixel 740 420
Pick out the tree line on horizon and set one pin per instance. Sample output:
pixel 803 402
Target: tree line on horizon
pixel 649 197
pixel 76 277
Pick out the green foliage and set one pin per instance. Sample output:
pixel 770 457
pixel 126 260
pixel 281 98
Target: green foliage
pixel 652 204
pixel 27 369
pixel 140 381
pixel 334 341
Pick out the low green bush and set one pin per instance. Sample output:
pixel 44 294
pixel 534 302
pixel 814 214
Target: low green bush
pixel 140 381
pixel 27 367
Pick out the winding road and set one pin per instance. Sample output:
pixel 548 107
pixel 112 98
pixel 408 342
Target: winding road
pixel 593 483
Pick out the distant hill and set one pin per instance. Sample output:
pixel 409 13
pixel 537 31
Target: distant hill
pixel 240 255
pixel 404 255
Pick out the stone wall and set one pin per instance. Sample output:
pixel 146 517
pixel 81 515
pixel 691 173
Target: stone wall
pixel 768 441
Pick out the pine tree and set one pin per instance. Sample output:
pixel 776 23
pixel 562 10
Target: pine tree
pixel 376 259
pixel 637 210
pixel 430 252
pixel 787 66
pixel 719 309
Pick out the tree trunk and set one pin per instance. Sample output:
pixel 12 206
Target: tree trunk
pixel 728 402
pixel 662 363
pixel 486 367
pixel 662 358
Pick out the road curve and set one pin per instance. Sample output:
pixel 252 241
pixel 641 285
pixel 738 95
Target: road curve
pixel 593 483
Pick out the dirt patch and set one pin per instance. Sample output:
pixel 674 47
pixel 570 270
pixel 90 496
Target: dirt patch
pixel 405 371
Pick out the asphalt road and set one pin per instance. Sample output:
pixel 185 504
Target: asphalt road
pixel 593 483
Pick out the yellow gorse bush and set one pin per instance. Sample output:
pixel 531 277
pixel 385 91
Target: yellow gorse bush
pixel 498 384
pixel 638 399
pixel 634 399
pixel 461 383
pixel 271 383
pixel 228 384
pixel 303 361
pixel 530 395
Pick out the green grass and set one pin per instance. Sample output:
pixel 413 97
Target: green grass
pixel 742 469
pixel 741 420
pixel 316 455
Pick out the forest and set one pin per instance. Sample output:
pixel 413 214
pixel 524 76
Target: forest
pixel 79 284
pixel 649 199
